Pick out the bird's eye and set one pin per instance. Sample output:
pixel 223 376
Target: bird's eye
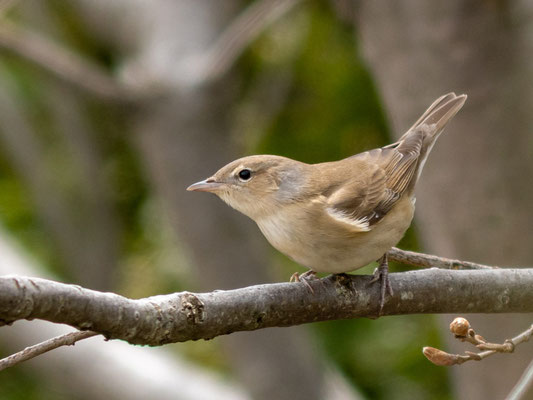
pixel 245 174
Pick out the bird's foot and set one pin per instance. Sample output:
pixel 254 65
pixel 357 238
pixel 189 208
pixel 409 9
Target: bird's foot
pixel 381 273
pixel 304 278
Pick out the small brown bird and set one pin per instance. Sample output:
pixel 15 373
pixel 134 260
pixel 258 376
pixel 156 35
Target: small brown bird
pixel 338 216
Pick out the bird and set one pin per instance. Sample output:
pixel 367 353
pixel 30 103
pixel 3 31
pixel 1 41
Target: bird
pixel 339 216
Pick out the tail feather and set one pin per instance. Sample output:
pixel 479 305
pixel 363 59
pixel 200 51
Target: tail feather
pixel 438 115
pixel 423 134
pixel 441 115
pixel 434 123
pixel 436 104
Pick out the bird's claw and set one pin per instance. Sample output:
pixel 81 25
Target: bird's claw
pixel 381 273
pixel 304 278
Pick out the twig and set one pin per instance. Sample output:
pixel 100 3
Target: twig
pixel 460 327
pixel 62 63
pixel 431 261
pixel 523 386
pixel 28 353
pixel 219 58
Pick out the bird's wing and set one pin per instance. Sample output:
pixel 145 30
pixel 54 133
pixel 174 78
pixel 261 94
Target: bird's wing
pixel 382 177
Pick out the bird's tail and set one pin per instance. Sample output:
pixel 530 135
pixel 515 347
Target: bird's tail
pixel 430 125
pixel 440 113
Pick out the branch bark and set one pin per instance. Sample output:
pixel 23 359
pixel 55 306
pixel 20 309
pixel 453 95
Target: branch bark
pixel 187 316
pixel 431 261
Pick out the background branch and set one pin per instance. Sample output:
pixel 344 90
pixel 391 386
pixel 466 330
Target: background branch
pixel 198 69
pixel 62 63
pixel 219 58
pixel 524 386
pixel 188 316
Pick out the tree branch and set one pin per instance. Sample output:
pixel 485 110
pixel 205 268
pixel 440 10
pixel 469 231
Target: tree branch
pixel 431 261
pixel 63 63
pixel 67 339
pixel 220 57
pixel 524 386
pixel 198 69
pixel 460 327
pixel 186 316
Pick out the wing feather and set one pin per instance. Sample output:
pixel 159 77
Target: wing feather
pixel 385 176
pixel 382 176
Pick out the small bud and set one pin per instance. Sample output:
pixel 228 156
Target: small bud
pixel 439 357
pixel 459 327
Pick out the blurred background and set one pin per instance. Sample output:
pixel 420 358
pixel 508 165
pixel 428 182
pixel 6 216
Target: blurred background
pixel 110 109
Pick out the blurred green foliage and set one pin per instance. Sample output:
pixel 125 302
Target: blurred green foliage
pixel 17 208
pixel 332 110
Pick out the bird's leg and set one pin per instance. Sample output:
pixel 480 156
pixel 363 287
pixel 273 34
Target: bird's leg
pixel 295 277
pixel 307 275
pixel 381 273
pixel 304 278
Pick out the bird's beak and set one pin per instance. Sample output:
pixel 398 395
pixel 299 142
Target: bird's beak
pixel 207 185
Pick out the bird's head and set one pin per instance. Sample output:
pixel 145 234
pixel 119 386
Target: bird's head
pixel 256 185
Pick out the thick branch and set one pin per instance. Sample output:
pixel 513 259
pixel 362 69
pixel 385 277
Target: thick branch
pixel 188 316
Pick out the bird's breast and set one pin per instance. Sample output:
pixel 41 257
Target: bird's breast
pixel 311 238
pixel 282 230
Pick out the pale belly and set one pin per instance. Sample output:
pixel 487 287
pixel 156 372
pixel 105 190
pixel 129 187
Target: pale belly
pixel 334 248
